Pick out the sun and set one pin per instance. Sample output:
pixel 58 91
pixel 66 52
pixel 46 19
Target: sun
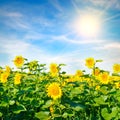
pixel 87 25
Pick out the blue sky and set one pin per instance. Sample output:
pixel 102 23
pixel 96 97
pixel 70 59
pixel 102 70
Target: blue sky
pixel 44 30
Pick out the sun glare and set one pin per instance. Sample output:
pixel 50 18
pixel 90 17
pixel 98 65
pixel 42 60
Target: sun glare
pixel 87 25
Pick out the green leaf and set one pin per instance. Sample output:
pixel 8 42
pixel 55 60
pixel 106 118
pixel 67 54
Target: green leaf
pixel 11 102
pixel 114 112
pixel 62 106
pixel 86 76
pixel 19 108
pixel 42 65
pixel 101 100
pixel 118 98
pixel 63 72
pixel 42 115
pixel 62 64
pixel 47 104
pixel 4 104
pixel 1 89
pixel 35 103
pixel 115 74
pixel 78 108
pixel 112 91
pixel 76 91
pixel 99 60
pixel 105 114
pixel 1 114
pixel 108 116
pixel 65 115
pixel 74 104
pixel 104 90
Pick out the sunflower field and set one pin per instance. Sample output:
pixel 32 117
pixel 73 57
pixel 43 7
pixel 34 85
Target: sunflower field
pixel 31 92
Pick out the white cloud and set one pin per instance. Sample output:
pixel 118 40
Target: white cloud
pixel 17 23
pixel 11 14
pixel 13 46
pixel 109 52
pixel 102 7
pixel 64 38
pixel 57 5
pixel 74 60
pixel 32 35
pixel 112 17
pixel 22 21
pixel 108 46
pixel 107 4
pixel 75 5
pixel 14 19
pixel 42 21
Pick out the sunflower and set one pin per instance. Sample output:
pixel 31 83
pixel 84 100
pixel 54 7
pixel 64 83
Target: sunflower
pixel 96 72
pixel 17 79
pixel 54 91
pixel 53 69
pixel 117 85
pixel 79 73
pixel 4 77
pixel 104 77
pixel 7 69
pixel 19 61
pixel 71 78
pixel 51 109
pixel 97 87
pixel 116 68
pixel 90 62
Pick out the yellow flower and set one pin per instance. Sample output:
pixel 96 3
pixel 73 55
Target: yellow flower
pixel 96 72
pixel 54 91
pixel 88 80
pixel 7 69
pixel 19 61
pixel 53 69
pixel 4 77
pixel 71 78
pixel 116 68
pixel 90 62
pixel 116 78
pixel 51 109
pixel 17 79
pixel 79 73
pixel 117 85
pixel 97 87
pixel 63 83
pixel 104 77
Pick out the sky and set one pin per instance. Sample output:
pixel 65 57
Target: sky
pixel 51 31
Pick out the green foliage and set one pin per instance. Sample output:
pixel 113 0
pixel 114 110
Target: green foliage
pixel 80 100
pixel 42 115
